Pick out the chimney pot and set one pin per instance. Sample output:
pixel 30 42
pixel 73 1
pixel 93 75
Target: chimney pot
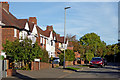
pixel 5 5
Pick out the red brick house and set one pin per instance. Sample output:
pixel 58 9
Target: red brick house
pixel 14 28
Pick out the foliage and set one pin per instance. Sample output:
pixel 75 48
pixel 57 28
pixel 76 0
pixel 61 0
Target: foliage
pixel 72 68
pixel 45 56
pixel 69 56
pixel 89 56
pixel 25 51
pixel 91 43
pixel 71 37
pixel 1 57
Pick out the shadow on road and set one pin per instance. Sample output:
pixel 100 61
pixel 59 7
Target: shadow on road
pixel 21 76
pixel 111 68
pixel 112 72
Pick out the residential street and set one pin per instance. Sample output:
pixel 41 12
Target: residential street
pixel 84 72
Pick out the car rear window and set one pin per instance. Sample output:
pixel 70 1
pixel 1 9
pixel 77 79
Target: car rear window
pixel 96 59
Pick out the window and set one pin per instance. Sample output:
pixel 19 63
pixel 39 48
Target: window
pixel 40 39
pixel 43 41
pixel 15 32
pixel 51 43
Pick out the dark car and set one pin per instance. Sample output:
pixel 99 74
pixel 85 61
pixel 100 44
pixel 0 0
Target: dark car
pixel 97 62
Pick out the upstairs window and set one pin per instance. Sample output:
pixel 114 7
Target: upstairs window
pixel 41 40
pixel 15 32
pixel 51 43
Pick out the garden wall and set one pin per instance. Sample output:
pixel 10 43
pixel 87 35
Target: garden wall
pixel 43 65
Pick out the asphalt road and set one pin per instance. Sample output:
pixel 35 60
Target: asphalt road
pixel 84 72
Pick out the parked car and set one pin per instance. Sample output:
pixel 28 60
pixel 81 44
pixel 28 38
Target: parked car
pixel 97 62
pixel 56 60
pixel 105 61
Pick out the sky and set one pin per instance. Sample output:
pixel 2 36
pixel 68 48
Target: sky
pixel 82 18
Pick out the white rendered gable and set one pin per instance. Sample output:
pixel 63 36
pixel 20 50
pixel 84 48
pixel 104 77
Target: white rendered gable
pixel 54 38
pixel 51 36
pixel 34 31
pixel 27 26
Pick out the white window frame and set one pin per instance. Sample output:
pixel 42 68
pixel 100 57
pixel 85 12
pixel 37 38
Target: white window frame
pixel 43 41
pixel 40 39
pixel 15 32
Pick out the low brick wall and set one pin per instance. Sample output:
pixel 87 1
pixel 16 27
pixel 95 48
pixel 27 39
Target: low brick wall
pixel 67 63
pixel 43 65
pixel 10 72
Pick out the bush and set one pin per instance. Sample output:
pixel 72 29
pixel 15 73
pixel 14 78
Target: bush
pixel 45 56
pixel 89 56
pixel 69 56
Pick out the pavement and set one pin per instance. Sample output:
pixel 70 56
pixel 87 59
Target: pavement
pixel 108 71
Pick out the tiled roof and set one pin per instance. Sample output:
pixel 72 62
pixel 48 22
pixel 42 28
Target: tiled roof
pixel 31 25
pixel 9 20
pixel 44 33
pixel 22 23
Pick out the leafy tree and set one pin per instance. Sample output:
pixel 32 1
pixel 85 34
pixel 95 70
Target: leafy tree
pixel 24 51
pixel 92 44
pixel 89 56
pixel 45 56
pixel 69 56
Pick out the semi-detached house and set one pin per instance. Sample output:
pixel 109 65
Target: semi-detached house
pixel 13 28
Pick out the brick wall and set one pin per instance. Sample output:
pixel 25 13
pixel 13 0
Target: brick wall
pixel 8 34
pixel 38 39
pixel 71 48
pixel 57 45
pixel 67 63
pixel 43 65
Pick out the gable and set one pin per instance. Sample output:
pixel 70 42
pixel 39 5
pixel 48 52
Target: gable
pixel 34 31
pixel 51 36
pixel 27 26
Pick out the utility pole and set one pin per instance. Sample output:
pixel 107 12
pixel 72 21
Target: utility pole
pixel 65 34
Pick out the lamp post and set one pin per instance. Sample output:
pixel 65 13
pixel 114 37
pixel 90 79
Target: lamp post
pixel 64 34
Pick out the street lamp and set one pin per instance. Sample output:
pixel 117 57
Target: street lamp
pixel 64 34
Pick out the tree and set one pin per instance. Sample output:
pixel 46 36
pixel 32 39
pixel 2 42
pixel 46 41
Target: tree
pixel 45 56
pixel 69 56
pixel 24 51
pixel 92 43
pixel 71 38
pixel 89 56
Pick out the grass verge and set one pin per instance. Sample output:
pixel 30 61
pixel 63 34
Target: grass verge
pixel 72 68
pixel 84 65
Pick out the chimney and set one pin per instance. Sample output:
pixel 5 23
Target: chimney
pixel 33 20
pixel 50 28
pixel 5 6
pixel 57 35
